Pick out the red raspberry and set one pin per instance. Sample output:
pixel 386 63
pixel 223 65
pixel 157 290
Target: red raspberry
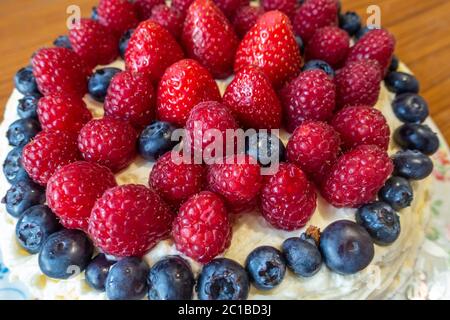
pixel 131 97
pixel 229 7
pixel 288 199
pixel 310 96
pixel 94 43
pixel 109 142
pixel 184 85
pixel 73 190
pixel 252 100
pixel 48 151
pixel 63 112
pixel 357 176
pixel 238 180
pixel 245 18
pixel 313 15
pixel 181 5
pixel 288 7
pixel 362 125
pixel 144 8
pixel 202 229
pixel 174 182
pixel 60 70
pixel 117 15
pixel 358 83
pixel 169 18
pixel 151 50
pixel 129 220
pixel 329 44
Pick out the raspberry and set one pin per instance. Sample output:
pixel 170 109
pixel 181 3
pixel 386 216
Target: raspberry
pixel 73 189
pixel 48 151
pixel 63 112
pixel 288 7
pixel 357 176
pixel 131 97
pixel 169 18
pixel 128 220
pixel 362 125
pixel 144 8
pixel 238 180
pixel 174 182
pixel 109 142
pixel 358 83
pixel 229 7
pixel 181 5
pixel 288 199
pixel 245 18
pixel 117 15
pixel 60 70
pixel 202 229
pixel 310 96
pixel 329 44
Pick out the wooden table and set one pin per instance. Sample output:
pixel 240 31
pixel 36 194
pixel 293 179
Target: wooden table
pixel 422 29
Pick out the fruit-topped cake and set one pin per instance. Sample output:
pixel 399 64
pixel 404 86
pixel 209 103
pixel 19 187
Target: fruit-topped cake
pixel 122 181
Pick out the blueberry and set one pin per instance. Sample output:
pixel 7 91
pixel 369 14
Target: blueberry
pixel 123 42
pixel 265 147
pixel 12 167
pixel 127 279
pixel 65 253
pixel 412 164
pixel 62 42
pixel 350 22
pixel 23 195
pixel 171 279
pixel 393 66
pixel 321 65
pixel 417 137
pixel 397 192
pixel 97 272
pixel 381 221
pixel 223 279
pixel 35 225
pixel 302 256
pixel 27 107
pixel 410 108
pixel 25 81
pixel 94 13
pixel 21 131
pixel 156 139
pixel 346 247
pixel 266 267
pixel 401 82
pixel 99 82
pixel 300 44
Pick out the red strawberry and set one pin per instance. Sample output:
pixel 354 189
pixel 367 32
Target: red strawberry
pixel 48 151
pixel 202 229
pixel 181 5
pixel 73 189
pixel 129 220
pixel 209 38
pixel 144 8
pixel 169 18
pixel 229 7
pixel 131 97
pixel 117 15
pixel 252 100
pixel 357 176
pixel 362 125
pixel 288 199
pixel 60 70
pixel 288 7
pixel 310 96
pixel 151 50
pixel 271 46
pixel 245 18
pixel 184 85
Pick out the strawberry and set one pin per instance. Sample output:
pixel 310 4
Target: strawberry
pixel 288 7
pixel 245 18
pixel 169 18
pixel 117 15
pixel 229 7
pixel 181 5
pixel 144 8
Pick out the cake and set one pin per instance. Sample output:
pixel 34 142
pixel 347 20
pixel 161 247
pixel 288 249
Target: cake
pixel 250 229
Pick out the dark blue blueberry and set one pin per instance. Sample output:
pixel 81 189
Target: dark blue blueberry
pixel 393 66
pixel 302 256
pixel 346 247
pixel 23 195
pixel 350 22
pixel 123 42
pixel 417 137
pixel 35 225
pixel 266 148
pixel 21 131
pixel 25 81
pixel 266 267
pixel 94 14
pixel 65 253
pixel 363 31
pixel 156 139
pixel 401 82
pixel 412 164
pixel 223 279
pixel 127 279
pixel 321 65
pixel 62 42
pixel 97 272
pixel 99 82
pixel 27 107
pixel 12 167
pixel 410 108
pixel 381 221
pixel 300 44
pixel 397 192
pixel 171 279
